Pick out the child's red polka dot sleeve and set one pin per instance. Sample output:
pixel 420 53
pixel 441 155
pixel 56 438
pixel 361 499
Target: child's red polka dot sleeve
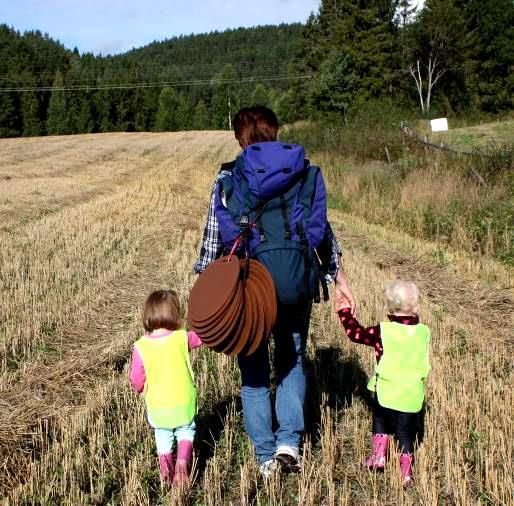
pixel 369 336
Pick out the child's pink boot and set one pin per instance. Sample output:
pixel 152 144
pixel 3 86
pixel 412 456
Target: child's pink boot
pixel 406 468
pixel 377 458
pixel 184 453
pixel 167 469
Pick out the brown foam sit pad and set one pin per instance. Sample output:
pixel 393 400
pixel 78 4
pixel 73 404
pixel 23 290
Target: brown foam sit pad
pixel 254 288
pixel 222 334
pixel 270 294
pixel 213 289
pixel 240 306
pixel 221 311
pixel 263 303
pixel 248 323
pixel 232 339
pixel 220 323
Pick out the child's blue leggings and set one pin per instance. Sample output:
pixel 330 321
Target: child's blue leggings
pixel 165 438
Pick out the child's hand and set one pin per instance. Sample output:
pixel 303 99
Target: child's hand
pixel 341 304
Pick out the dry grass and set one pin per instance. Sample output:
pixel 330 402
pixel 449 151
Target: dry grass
pixel 432 199
pixel 72 282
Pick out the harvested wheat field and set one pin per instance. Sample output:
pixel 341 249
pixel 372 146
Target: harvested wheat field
pixel 90 224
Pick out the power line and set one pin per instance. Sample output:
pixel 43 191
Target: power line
pixel 155 69
pixel 176 84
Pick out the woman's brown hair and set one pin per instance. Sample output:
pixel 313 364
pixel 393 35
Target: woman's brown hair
pixel 162 311
pixel 255 124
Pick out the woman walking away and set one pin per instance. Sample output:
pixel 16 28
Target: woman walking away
pixel 161 371
pixel 270 204
pixel 401 349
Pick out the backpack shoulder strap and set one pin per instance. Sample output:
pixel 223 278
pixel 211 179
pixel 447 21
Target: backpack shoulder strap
pixel 227 166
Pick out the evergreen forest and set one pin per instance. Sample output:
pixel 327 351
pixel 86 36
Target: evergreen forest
pixel 452 57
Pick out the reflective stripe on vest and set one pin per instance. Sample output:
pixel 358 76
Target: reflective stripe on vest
pixel 399 376
pixel 170 394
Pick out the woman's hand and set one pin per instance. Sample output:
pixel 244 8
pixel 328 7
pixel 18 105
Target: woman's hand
pixel 343 296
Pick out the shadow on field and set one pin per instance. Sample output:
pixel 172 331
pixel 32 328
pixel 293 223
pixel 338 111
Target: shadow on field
pixel 335 377
pixel 210 425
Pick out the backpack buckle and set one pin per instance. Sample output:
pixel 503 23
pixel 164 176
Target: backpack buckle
pixel 244 225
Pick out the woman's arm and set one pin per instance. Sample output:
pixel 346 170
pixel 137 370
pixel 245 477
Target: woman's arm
pixel 343 296
pixel 212 244
pixel 330 254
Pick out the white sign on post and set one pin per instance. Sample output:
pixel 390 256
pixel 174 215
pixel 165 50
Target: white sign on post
pixel 439 125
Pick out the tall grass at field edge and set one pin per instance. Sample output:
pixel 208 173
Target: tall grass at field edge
pixel 374 171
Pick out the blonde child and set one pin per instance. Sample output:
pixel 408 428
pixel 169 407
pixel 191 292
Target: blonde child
pixel 161 371
pixel 401 350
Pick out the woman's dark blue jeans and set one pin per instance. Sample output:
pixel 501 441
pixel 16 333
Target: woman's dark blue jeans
pixel 290 337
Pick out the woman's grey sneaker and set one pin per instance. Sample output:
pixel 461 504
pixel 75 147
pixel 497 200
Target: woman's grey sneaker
pixel 288 458
pixel 268 468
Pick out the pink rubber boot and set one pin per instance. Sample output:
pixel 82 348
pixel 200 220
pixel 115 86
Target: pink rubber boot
pixel 184 454
pixel 167 469
pixel 377 458
pixel 406 468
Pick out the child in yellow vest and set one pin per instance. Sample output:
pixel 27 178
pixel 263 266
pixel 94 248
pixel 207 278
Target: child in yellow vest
pixel 401 349
pixel 161 371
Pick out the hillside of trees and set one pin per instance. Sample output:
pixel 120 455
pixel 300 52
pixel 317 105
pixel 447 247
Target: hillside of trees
pixel 453 57
pixel 195 81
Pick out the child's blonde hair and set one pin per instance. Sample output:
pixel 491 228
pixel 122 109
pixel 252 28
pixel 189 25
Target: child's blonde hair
pixel 401 296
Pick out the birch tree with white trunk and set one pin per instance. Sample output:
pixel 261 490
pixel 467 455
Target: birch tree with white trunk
pixel 434 69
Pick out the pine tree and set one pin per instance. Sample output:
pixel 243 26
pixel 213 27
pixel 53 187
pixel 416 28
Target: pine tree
pixel 166 120
pixel 30 110
pixel 489 47
pixel 10 117
pixel 201 116
pixel 283 105
pixel 85 122
pixel 104 102
pixel 57 123
pixel 260 95
pixel 183 115
pixel 359 53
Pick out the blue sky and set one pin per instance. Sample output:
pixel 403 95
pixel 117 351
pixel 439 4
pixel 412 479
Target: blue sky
pixel 114 26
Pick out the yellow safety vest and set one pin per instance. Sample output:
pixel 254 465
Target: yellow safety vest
pixel 400 374
pixel 170 393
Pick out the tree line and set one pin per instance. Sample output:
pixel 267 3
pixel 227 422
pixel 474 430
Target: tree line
pixel 450 57
pixel 196 81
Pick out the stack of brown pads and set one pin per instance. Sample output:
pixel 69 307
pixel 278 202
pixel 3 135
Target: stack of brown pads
pixel 233 306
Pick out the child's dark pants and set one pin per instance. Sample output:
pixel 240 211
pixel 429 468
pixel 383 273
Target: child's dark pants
pixel 402 425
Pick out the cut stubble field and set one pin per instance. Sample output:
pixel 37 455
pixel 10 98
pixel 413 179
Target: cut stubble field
pixel 90 224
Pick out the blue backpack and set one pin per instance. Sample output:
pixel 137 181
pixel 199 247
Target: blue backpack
pixel 272 206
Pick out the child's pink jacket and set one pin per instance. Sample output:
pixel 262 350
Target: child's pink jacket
pixel 137 368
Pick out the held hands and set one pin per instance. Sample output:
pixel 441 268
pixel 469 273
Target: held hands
pixel 343 297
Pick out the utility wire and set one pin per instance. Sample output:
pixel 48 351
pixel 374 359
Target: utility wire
pixel 88 87
pixel 155 69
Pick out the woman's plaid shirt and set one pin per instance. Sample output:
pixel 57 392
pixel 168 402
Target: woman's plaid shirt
pixel 213 247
